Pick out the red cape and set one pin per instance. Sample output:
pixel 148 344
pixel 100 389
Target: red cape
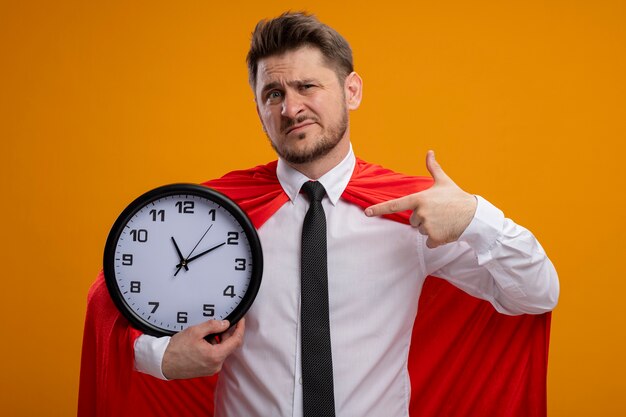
pixel 466 359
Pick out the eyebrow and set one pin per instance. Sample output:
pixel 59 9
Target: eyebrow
pixel 276 84
pixel 270 86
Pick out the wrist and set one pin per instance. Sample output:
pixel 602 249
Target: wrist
pixel 485 227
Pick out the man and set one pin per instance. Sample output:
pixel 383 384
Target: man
pixel 304 84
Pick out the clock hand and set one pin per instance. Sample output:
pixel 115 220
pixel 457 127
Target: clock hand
pixel 180 265
pixel 184 262
pixel 194 248
pixel 180 255
pixel 188 261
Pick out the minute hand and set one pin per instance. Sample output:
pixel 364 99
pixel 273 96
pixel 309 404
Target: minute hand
pixel 202 254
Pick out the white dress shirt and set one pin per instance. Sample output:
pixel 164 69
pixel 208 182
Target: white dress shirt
pixel 376 269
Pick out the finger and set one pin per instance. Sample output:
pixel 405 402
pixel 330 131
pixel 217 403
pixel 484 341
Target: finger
pixel 238 328
pixel 212 327
pixel 232 340
pixel 416 220
pixel 422 231
pixel 391 206
pixel 434 168
pixel 431 244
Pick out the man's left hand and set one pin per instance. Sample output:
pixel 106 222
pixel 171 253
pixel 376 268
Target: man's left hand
pixel 441 212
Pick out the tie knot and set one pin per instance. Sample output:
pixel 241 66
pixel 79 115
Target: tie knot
pixel 314 190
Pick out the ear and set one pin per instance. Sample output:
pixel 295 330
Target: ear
pixel 353 89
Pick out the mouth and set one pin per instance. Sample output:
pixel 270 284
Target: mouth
pixel 299 126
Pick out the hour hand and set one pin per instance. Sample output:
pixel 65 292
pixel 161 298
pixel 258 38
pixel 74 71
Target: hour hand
pixel 181 258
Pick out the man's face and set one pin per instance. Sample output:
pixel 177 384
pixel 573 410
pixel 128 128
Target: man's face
pixel 302 105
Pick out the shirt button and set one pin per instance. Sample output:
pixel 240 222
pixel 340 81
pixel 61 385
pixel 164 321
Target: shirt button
pixel 300 380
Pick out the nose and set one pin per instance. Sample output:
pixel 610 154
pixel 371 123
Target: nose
pixel 292 106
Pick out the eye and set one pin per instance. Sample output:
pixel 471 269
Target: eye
pixel 274 96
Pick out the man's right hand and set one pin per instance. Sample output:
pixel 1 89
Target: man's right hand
pixel 189 355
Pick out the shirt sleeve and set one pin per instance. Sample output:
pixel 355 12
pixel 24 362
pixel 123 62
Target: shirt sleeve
pixel 149 351
pixel 498 261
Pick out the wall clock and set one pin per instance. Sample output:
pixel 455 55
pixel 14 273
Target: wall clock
pixel 179 255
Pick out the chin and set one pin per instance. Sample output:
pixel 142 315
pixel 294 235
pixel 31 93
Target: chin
pixel 303 153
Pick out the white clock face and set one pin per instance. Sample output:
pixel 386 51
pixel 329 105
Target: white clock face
pixel 180 260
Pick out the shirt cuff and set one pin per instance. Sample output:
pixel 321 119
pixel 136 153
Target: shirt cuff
pixel 149 353
pixel 485 230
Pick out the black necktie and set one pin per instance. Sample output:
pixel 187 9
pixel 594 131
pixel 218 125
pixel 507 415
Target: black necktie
pixel 317 363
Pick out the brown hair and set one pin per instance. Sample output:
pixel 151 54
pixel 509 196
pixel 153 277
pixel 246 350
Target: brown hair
pixel 291 31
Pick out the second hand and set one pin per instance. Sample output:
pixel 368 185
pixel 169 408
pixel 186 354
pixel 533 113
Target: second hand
pixel 184 262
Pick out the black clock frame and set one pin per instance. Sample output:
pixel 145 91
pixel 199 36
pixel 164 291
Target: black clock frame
pixel 183 189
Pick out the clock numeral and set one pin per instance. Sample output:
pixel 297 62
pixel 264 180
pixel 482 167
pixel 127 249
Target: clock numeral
pixel 212 214
pixel 154 304
pixel 140 235
pixel 135 286
pixel 208 310
pixel 182 317
pixel 157 214
pixel 185 207
pixel 240 264
pixel 233 238
pixel 127 259
pixel 229 291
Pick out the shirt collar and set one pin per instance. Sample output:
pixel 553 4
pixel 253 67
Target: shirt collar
pixel 334 181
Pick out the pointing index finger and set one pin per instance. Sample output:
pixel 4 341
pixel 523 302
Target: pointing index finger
pixel 391 206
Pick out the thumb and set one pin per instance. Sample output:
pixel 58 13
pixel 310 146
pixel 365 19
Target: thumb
pixel 212 327
pixel 434 168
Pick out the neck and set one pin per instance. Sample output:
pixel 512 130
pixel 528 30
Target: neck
pixel 315 169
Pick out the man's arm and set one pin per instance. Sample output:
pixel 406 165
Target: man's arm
pixel 187 354
pixel 492 257
pixel 498 261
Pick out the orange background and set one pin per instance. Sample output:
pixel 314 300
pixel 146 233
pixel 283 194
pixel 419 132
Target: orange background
pixel 524 102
